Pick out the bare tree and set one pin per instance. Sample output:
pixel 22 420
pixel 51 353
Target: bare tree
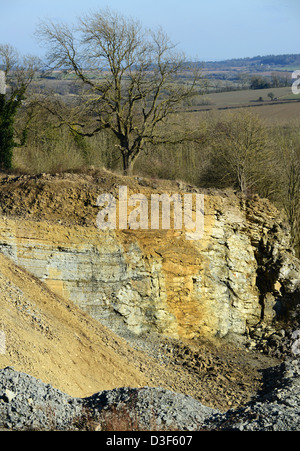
pixel 287 159
pixel 242 143
pixel 130 77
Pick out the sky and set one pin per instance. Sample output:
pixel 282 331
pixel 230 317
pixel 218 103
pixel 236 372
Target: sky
pixel 208 30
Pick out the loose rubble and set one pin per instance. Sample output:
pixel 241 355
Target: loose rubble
pixel 280 340
pixel 27 403
pixel 278 410
pixel 147 408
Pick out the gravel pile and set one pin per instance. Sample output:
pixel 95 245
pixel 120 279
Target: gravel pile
pixel 27 403
pixel 148 408
pixel 278 410
pixel 283 342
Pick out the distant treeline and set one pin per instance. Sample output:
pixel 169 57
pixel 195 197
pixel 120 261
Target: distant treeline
pixel 268 60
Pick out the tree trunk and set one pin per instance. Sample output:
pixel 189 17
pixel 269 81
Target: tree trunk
pixel 125 162
pixel 128 163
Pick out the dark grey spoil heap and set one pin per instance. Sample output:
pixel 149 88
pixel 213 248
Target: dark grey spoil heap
pixel 27 403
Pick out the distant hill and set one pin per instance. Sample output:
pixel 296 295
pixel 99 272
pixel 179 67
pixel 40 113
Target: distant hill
pixel 270 61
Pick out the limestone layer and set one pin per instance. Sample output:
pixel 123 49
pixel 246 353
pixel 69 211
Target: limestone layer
pixel 241 271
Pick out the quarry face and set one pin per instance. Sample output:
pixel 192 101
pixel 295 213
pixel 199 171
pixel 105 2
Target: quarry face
pixel 239 274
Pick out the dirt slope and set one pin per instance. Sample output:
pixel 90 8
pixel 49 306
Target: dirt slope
pixel 56 342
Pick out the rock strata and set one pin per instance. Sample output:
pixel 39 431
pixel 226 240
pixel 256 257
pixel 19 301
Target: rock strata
pixel 241 275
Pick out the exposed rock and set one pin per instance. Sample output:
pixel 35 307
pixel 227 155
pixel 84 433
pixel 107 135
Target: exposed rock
pixel 241 275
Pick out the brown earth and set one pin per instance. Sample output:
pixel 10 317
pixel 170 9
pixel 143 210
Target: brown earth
pixel 71 198
pixel 51 339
